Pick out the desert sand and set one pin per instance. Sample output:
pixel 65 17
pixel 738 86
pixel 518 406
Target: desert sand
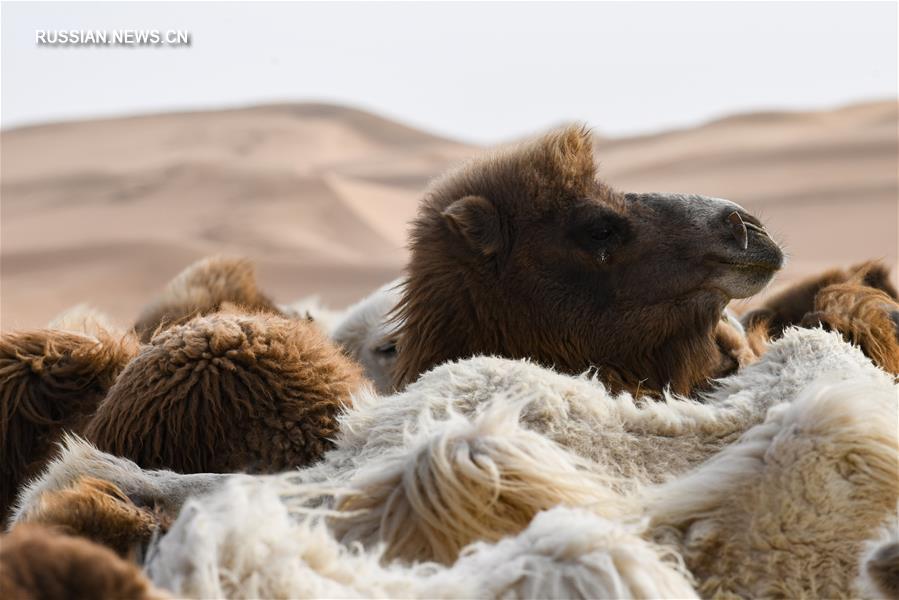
pixel 319 196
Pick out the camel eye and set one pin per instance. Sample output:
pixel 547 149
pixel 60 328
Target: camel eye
pixel 387 348
pixel 600 234
pixel 594 228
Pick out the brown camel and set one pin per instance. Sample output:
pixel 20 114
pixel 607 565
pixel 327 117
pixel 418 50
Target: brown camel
pixel 525 254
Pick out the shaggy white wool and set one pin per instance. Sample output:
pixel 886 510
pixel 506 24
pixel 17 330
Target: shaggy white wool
pixel 241 543
pixel 456 481
pixel 573 553
pixel 786 510
pixel 645 440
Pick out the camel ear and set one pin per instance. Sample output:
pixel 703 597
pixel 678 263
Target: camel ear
pixel 475 219
pixel 877 275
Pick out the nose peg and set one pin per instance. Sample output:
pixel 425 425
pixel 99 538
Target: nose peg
pixel 738 229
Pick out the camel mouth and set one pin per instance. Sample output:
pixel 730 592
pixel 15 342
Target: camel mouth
pixel 765 266
pixel 744 273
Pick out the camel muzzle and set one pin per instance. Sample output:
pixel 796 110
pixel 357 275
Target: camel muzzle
pixel 718 233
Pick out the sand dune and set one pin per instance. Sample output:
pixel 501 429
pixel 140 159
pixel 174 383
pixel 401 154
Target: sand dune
pixel 319 196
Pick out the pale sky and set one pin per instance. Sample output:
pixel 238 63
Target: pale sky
pixel 477 72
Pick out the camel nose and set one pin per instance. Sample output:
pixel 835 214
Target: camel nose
pixel 716 225
pixel 740 226
pixel 738 229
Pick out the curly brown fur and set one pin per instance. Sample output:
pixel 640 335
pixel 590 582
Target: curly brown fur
pixel 525 254
pixel 865 316
pixel 201 289
pixel 50 381
pixel 37 563
pixel 101 512
pixel 790 306
pixel 228 392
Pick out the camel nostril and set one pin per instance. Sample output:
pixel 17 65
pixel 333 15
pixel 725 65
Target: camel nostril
pixel 755 228
pixel 738 229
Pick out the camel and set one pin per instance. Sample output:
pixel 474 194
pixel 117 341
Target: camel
pixel 790 306
pixel 52 380
pixel 366 335
pixel 228 392
pixel 201 289
pixel 524 253
pixel 860 303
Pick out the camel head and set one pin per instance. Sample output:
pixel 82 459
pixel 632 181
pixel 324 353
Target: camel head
pixel 525 253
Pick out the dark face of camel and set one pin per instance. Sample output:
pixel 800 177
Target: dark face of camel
pixel 526 254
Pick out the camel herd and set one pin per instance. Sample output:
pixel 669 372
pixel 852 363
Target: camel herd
pixel 553 401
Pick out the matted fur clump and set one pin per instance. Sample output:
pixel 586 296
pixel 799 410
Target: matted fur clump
pixel 50 381
pixel 228 392
pixel 790 306
pixel 100 511
pixel 574 553
pixel 242 543
pixel 459 481
pixel 786 511
pixel 37 563
pixel 203 288
pixel 865 316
